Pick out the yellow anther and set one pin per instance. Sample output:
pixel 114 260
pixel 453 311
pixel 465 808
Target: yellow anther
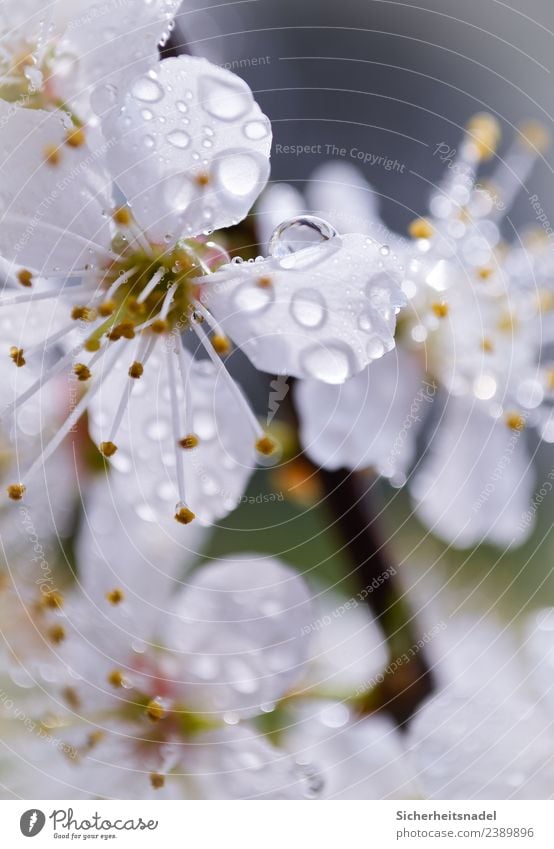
pixel 484 273
pixel 53 600
pixel 545 300
pixel 264 282
pixel 507 322
pixel 25 277
pixel 420 228
pixel 487 345
pixel 202 179
pixel 16 491
pixel 221 344
pixel 184 516
pixel 266 445
pixel 107 449
pixel 484 130
pixel 189 441
pixel 94 738
pixel 56 634
pixel 535 135
pixel 115 596
pixel 92 345
pixel 123 216
pixel 71 697
pixel 116 678
pixel 17 356
pixel 515 421
pixel 440 308
pixel 136 370
pixel 550 379
pixel 125 329
pixel 107 308
pixel 83 314
pixel 159 326
pixel 82 371
pixel 52 154
pixel 76 137
pixel 155 710
pixel 157 780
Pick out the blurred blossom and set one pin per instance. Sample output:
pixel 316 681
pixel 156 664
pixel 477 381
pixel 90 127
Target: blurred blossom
pixel 490 736
pixel 474 338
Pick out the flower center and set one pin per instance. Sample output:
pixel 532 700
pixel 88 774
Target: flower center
pixel 148 285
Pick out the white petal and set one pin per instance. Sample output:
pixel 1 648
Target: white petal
pixel 482 749
pixel 238 763
pixel 240 627
pixel 216 472
pixel 371 420
pixel 146 560
pixel 338 192
pixel 354 758
pixel 110 50
pixel 280 202
pixel 346 647
pixel 189 148
pixel 476 482
pixel 326 313
pixel 52 217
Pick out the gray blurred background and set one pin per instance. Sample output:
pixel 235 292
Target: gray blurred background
pixel 384 77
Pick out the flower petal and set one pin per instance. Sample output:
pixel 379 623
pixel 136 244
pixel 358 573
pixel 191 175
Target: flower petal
pixel 189 148
pixel 240 627
pixel 110 49
pixel 355 758
pixel 216 471
pixel 144 560
pixel 53 197
pixel 323 312
pixel 481 748
pixel 239 763
pixel 280 202
pixel 373 419
pixel 338 192
pixel 476 481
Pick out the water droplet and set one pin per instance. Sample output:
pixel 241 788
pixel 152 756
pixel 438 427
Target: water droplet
pixel 297 233
pixel 308 308
pixel 147 90
pixel 179 139
pixel 222 100
pixel 238 173
pixel 256 130
pixel 330 364
pixel 250 298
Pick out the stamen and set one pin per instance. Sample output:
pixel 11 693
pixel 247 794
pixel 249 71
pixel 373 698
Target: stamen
pixel 83 314
pixel 183 514
pixel 144 350
pixel 234 387
pixel 515 421
pixel 74 416
pixel 25 277
pixel 52 155
pixel 151 285
pixel 116 678
pixel 17 356
pixel 155 710
pixel 56 634
pixel 440 308
pixel 16 491
pixel 157 780
pixel 53 599
pixel 82 371
pixel 76 137
pixel 189 442
pixel 266 446
pixel 420 228
pixel 115 596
